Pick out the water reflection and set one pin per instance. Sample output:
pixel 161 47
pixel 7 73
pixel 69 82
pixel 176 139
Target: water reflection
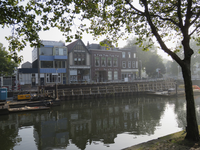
pixel 94 124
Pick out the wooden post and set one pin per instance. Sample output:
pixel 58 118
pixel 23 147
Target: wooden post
pixel 53 93
pixel 81 92
pixel 90 91
pixel 72 92
pixel 98 90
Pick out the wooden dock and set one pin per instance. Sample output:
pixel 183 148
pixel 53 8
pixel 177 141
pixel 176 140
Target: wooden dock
pixel 77 91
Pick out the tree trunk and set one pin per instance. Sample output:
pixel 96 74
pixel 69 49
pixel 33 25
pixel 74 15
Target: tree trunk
pixel 192 127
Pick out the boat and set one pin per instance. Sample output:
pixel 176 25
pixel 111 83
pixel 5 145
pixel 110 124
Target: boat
pixel 160 93
pixel 27 108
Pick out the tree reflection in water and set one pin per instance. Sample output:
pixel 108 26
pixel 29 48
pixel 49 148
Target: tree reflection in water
pixel 97 122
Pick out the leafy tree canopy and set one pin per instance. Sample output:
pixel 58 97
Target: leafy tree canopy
pixel 166 20
pixel 7 65
pixel 155 68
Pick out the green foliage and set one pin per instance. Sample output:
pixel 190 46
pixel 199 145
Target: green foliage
pixel 150 59
pixel 7 65
pixel 154 63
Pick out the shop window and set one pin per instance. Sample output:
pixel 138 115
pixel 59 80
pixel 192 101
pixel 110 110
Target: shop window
pixel 109 75
pixel 115 75
pixel 53 78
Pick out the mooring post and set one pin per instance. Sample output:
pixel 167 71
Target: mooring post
pixel 63 92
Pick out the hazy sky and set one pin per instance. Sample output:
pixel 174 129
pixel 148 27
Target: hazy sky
pixel 53 35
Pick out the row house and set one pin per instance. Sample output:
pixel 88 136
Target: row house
pixel 113 64
pixel 129 64
pixel 105 64
pixel 51 62
pixel 76 63
pixel 79 62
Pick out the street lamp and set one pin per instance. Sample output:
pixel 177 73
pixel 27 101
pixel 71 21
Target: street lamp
pixel 56 84
pixel 140 69
pixel 178 72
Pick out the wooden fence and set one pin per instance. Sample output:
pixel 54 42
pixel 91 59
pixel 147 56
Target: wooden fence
pixel 112 90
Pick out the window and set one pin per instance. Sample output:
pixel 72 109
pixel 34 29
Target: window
pixel 53 78
pixel 61 51
pixel 80 55
pixel 129 64
pixel 109 75
pixel 103 61
pixel 115 62
pixel 59 64
pixel 97 61
pixel 79 61
pixel 123 64
pixel 133 64
pixel 134 55
pixel 109 59
pixel 123 54
pixel 46 64
pixel 83 61
pixel 115 75
pixel 48 51
pixel 136 64
pixel 129 54
pixel 75 61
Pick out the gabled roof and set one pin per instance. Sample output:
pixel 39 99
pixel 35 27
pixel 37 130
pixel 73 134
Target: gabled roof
pixel 71 46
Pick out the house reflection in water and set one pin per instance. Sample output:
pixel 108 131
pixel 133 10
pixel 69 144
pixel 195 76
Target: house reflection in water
pixel 84 122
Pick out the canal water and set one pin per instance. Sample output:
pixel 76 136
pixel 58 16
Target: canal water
pixel 100 124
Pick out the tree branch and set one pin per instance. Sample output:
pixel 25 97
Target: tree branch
pixel 159 39
pixel 179 14
pixel 188 14
pixel 197 17
pixel 137 10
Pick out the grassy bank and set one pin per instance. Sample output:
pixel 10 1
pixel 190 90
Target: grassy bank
pixel 175 141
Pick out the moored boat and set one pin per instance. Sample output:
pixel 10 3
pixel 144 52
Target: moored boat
pixel 27 108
